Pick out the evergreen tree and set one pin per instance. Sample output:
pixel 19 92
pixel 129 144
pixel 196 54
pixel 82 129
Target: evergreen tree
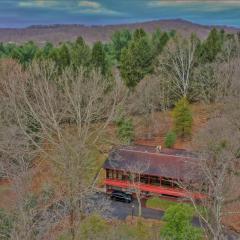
pixel 138 34
pixel 25 53
pixel 61 56
pixel 64 59
pixel 99 57
pixel 172 33
pixel 178 224
pixel 80 41
pixel 47 49
pixel 212 46
pixel 159 41
pixel 170 139
pixel 44 53
pixel 110 55
pixel 54 55
pixel 6 50
pixel 80 53
pixel 182 118
pixel 125 130
pixel 120 40
pixel 136 61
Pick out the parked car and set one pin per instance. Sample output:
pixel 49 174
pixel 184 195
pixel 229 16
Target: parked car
pixel 121 196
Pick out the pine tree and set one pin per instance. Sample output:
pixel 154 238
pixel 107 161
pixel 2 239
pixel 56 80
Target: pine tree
pixel 99 57
pixel 25 53
pixel 138 34
pixel 48 47
pixel 136 61
pixel 159 41
pixel 63 56
pixel 182 118
pixel 170 139
pixel 212 46
pixel 80 53
pixel 125 130
pixel 120 40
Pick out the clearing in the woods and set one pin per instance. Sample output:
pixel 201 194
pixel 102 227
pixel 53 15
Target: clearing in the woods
pixel 151 135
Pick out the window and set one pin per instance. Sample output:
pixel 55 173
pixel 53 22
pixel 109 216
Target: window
pixel 110 174
pixel 119 175
pixel 107 173
pixel 136 177
pixel 125 177
pixel 175 184
pixel 166 182
pixel 144 179
pixel 154 180
pixel 114 176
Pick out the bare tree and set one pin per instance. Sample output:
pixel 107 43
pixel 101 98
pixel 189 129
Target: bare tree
pixel 149 97
pixel 215 81
pixel 177 62
pixel 216 146
pixel 162 87
pixel 136 169
pixel 63 118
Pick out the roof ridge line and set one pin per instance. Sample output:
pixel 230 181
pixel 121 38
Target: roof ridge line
pixel 165 154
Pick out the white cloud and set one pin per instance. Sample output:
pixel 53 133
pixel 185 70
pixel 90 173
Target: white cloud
pixel 37 3
pixel 89 4
pixel 91 7
pixel 102 11
pixel 84 6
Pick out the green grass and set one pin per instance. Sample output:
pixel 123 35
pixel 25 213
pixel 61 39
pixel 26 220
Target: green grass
pixel 159 203
pixel 163 204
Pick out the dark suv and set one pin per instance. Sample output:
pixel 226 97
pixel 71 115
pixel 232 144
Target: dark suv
pixel 121 196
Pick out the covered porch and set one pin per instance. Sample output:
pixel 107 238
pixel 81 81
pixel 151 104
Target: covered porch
pixel 147 188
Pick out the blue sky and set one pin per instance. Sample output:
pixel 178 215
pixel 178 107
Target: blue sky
pixel 22 13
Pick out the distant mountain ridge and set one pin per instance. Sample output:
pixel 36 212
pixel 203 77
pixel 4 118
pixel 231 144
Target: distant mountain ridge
pixel 61 33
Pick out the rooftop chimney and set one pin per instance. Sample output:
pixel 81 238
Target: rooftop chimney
pixel 158 148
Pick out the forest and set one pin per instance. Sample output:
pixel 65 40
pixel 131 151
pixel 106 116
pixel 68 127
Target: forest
pixel 59 104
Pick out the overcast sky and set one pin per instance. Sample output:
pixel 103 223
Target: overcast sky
pixel 22 13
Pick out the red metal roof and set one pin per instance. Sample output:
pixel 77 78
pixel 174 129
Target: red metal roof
pixel 170 163
pixel 154 189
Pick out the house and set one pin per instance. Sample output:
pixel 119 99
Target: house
pixel 159 171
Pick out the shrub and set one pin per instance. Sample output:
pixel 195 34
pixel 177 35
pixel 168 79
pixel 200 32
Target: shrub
pixel 125 130
pixel 182 118
pixel 170 139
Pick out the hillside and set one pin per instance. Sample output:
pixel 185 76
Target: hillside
pixel 61 33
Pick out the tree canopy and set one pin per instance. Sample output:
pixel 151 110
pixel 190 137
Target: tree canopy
pixel 179 224
pixel 136 59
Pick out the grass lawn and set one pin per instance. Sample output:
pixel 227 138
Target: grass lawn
pixel 159 203
pixel 163 204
